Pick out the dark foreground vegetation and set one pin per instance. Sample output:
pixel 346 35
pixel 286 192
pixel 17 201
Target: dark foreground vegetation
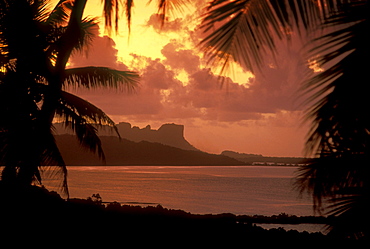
pixel 34 214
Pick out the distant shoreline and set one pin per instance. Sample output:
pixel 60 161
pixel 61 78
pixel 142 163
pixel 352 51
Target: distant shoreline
pixel 89 221
pixel 246 165
pixel 128 153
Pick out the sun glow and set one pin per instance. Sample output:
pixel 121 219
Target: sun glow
pixel 314 65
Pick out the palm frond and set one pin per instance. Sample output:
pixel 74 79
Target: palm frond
pixel 93 77
pixel 19 22
pixel 129 5
pixel 85 132
pixel 73 36
pixel 88 30
pixel 82 117
pixel 352 214
pixel 40 10
pixel 338 94
pixel 52 165
pixel 299 15
pixel 239 31
pixel 87 111
pixel 57 21
pixel 166 7
pixel 339 136
pixel 245 30
pixel 30 154
pixel 111 13
pixel 344 204
pixel 332 174
pixel 60 14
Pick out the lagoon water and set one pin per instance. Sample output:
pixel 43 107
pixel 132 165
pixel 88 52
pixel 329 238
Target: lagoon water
pixel 197 189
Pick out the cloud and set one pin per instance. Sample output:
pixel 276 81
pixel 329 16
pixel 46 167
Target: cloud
pixel 155 21
pixel 101 52
pixel 179 58
pixel 258 117
pixel 162 96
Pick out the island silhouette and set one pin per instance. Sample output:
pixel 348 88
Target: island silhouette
pixel 166 146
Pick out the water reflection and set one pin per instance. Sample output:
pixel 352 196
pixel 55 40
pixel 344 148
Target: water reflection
pixel 239 190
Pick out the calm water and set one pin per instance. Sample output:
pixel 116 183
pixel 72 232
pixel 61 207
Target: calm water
pixel 239 190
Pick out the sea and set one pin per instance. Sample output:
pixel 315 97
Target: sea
pixel 250 190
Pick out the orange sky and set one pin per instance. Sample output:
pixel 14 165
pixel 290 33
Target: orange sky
pixel 249 113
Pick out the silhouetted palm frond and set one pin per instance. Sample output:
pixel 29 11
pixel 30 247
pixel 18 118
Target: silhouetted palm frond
pixel 52 165
pixel 340 121
pixel 338 95
pixel 83 117
pixel 333 175
pixel 60 14
pixel 93 77
pixel 85 110
pixel 88 30
pixel 244 30
pixel 170 6
pixel 36 43
pixel 352 213
pixel 111 13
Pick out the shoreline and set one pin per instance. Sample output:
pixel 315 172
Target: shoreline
pixel 310 224
pixel 88 221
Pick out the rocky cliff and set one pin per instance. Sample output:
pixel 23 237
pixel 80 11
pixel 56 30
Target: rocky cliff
pixel 167 134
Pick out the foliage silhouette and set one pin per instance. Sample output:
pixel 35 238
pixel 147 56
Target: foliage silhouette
pixel 245 30
pixel 93 222
pixel 36 43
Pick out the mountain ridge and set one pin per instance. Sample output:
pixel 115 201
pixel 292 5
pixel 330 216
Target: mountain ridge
pixel 123 152
pixel 167 134
pixel 164 146
pixel 258 159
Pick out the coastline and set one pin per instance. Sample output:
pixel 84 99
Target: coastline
pixel 90 222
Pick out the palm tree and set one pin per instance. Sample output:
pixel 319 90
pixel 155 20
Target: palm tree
pixel 244 30
pixel 36 44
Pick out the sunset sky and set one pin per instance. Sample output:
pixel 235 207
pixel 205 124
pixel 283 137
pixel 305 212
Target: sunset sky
pixel 257 113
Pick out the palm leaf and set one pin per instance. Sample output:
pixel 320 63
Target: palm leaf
pixel 88 27
pixel 40 10
pixel 129 5
pixel 352 214
pixel 85 110
pixel 332 174
pixel 236 38
pixel 84 34
pixel 19 22
pixel 72 38
pixel 244 30
pixel 52 165
pixel 93 77
pixel 82 117
pixel 111 13
pixel 166 7
pixel 338 106
pixel 60 14
pixel 31 154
